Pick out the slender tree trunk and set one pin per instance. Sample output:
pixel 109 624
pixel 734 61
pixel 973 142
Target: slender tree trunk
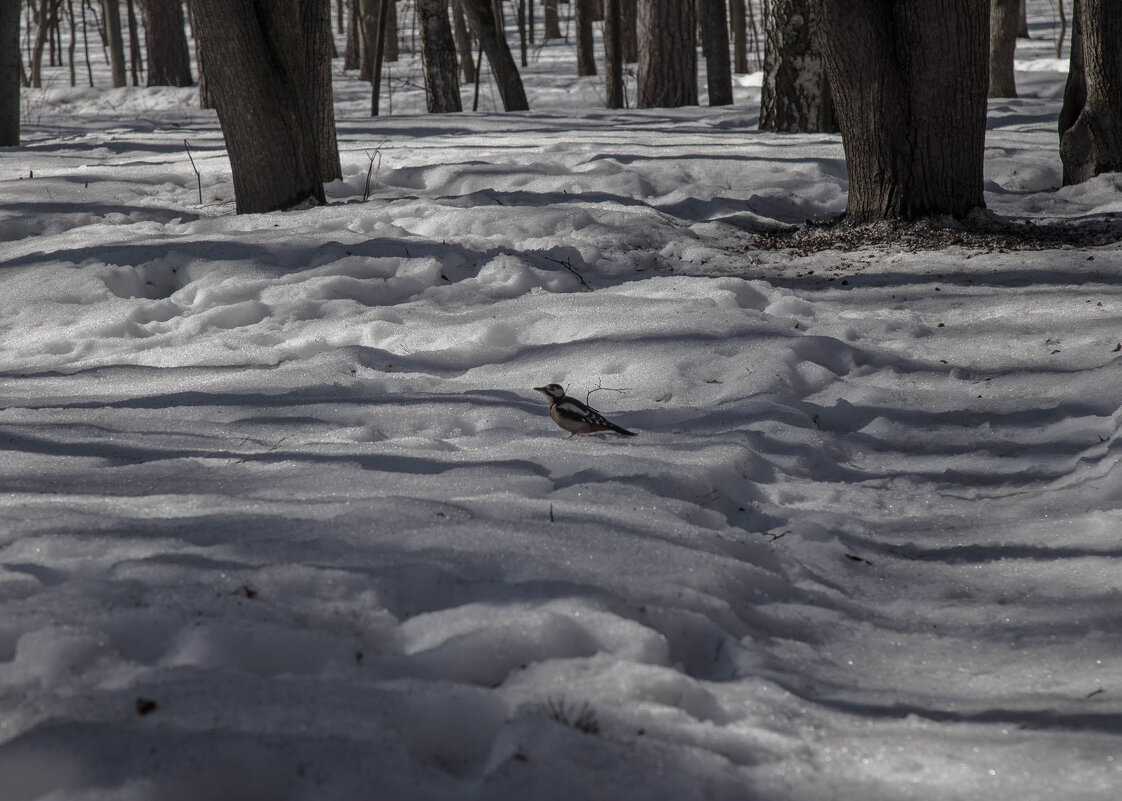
pixel 909 88
pixel 1063 29
pixel 352 54
pixel 739 37
pixel 795 97
pixel 552 20
pixel 169 61
pixel 1003 43
pixel 586 55
pixel 481 13
pixel 135 61
pixel 715 47
pixel 463 42
pixel 530 20
pixel 112 11
pixel 667 54
pixel 1022 21
pixel 438 56
pixel 520 15
pixel 264 62
pixel 375 20
pixel 72 46
pixel 613 55
pixel 390 39
pixel 11 68
pixel 1091 118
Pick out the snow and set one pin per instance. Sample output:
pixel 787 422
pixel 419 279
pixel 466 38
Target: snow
pixel 283 518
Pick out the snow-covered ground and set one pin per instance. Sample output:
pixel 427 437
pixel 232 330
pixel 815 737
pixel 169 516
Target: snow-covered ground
pixel 281 516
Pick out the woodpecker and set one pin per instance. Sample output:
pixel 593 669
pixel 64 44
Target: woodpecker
pixel 576 417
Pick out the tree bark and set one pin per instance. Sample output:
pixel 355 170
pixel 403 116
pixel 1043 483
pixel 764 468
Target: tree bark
pixel 629 38
pixel 169 61
pixel 10 69
pixel 795 97
pixel 909 88
pixel 715 47
pixel 112 11
pixel 463 42
pixel 438 57
pixel 265 63
pixel 667 75
pixel 739 37
pixel 552 21
pixel 1091 118
pixel 613 55
pixel 482 16
pixel 136 65
pixel 1022 21
pixel 586 55
pixel 1003 44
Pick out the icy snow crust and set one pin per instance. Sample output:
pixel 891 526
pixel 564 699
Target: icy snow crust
pixel 283 518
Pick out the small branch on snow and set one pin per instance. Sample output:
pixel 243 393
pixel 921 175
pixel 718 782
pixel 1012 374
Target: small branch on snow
pixel 198 178
pixel 599 387
pixel 370 169
pixel 266 452
pixel 568 265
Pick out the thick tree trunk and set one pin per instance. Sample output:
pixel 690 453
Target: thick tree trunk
pixel 715 47
pixel 795 97
pixel 169 61
pixel 667 74
pixel 909 86
pixel 1003 43
pixel 613 55
pixel 265 63
pixel 438 56
pixel 739 37
pixel 586 55
pixel 1091 118
pixel 629 37
pixel 10 69
pixel 552 21
pixel 463 42
pixel 482 16
pixel 116 43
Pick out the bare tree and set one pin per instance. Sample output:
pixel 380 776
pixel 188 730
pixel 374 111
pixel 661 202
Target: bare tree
pixel 11 70
pixel 1091 117
pixel 739 36
pixel 586 56
pixel 715 47
pixel 667 74
pixel 481 13
pixel 795 97
pixel 613 55
pixel 438 56
pixel 909 86
pixel 169 62
pixel 112 11
pixel 266 63
pixel 1003 43
pixel 463 41
pixel 552 22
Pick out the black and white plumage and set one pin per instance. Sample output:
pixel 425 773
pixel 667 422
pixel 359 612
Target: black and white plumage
pixel 576 417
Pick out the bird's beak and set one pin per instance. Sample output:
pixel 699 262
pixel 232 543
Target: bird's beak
pixel 541 390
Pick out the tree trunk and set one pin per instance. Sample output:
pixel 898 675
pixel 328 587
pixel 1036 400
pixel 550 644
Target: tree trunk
pixel 42 32
pixel 390 40
pixel 739 37
pixel 586 55
pixel 523 43
pixel 909 88
pixel 265 63
pixel 375 21
pixel 463 42
pixel 112 11
pixel 552 21
pixel 136 67
pixel 795 97
pixel 1022 21
pixel 10 69
pixel 667 74
pixel 352 53
pixel 613 55
pixel 1091 118
pixel 715 47
pixel 482 16
pixel 169 62
pixel 438 57
pixel 1003 43
pixel 629 15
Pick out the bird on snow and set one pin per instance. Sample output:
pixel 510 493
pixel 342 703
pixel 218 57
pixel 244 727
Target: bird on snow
pixel 576 417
